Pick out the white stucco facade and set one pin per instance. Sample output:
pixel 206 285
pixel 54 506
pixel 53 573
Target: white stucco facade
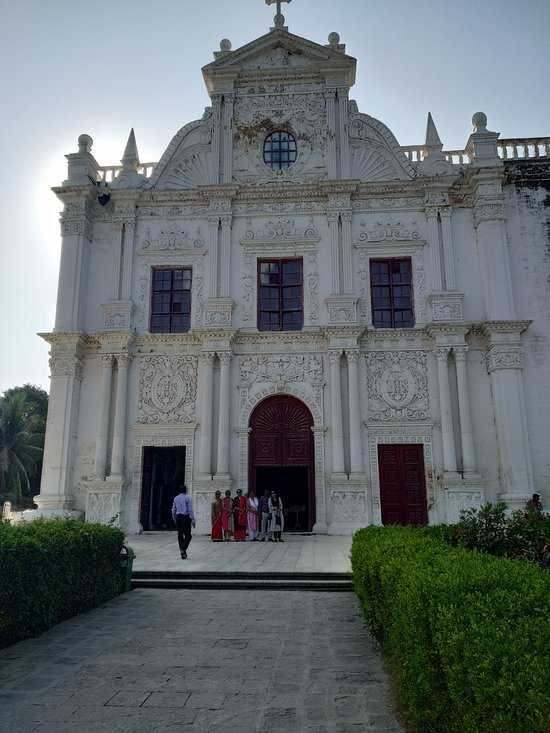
pixel 468 382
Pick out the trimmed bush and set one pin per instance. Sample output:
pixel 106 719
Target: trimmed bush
pixel 52 570
pixel 467 635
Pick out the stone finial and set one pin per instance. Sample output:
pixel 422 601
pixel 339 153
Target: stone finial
pixel 225 45
pixel 482 145
pixel 85 143
pixel 130 157
pixel 479 122
pixel 334 43
pixel 279 21
pixel 433 141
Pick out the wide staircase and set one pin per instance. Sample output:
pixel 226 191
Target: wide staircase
pixel 216 580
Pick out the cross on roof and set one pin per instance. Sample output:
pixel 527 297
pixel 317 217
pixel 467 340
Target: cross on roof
pixel 278 3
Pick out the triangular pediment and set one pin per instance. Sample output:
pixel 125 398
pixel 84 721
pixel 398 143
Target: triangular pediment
pixel 280 51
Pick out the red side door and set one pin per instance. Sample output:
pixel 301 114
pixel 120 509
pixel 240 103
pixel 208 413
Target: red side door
pixel 402 484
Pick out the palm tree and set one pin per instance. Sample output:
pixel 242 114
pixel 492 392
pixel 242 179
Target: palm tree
pixel 21 447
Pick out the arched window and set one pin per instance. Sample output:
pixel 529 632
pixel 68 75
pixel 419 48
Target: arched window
pixel 280 150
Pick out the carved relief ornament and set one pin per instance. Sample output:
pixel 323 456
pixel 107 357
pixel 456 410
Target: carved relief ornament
pixel 167 389
pixel 397 385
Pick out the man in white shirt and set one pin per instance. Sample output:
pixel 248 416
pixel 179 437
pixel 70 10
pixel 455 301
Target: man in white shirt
pixel 184 517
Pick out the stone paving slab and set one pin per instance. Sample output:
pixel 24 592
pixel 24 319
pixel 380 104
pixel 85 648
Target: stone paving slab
pixel 298 553
pixel 198 661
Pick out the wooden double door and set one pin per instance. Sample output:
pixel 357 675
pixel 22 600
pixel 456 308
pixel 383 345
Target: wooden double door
pixel 402 484
pixel 281 456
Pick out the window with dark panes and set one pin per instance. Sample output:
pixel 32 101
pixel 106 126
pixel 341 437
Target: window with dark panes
pixel 280 295
pixel 171 300
pixel 391 293
pixel 280 150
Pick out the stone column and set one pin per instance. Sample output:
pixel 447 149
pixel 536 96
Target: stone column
pixel 66 365
pixel 448 247
pixel 332 163
pixel 213 226
pixel 435 252
pixel 347 263
pixel 449 451
pixel 336 406
pixel 356 449
pixel 119 428
pixel 206 366
pixel 228 105
pixel 225 257
pixel 216 136
pixel 76 232
pixel 468 452
pixel 505 364
pixel 332 217
pixel 104 410
pixel 224 435
pixel 343 95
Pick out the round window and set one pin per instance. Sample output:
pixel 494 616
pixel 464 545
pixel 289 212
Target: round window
pixel 280 150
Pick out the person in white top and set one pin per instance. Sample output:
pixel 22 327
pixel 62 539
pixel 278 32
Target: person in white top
pixel 252 517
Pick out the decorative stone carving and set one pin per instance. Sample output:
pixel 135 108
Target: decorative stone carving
pixel 167 389
pixel 282 230
pixel 460 500
pixel 62 365
pixel 397 384
pixel 281 369
pixel 447 307
pixel 218 312
pixel 504 357
pixel 347 505
pixel 103 507
pixel 311 279
pixel 173 238
pixel 342 310
pixel 389 230
pixel 117 315
pixel 258 114
pixel 413 202
pixel 190 169
pixel 488 211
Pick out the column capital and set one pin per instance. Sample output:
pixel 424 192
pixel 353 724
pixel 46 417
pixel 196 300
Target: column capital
pixel 123 360
pixel 334 356
pixel 346 216
pixel 353 355
pixel 206 357
pixel 442 353
pixel 224 357
pixel 332 217
pixel 107 360
pixel 330 93
pixel 460 352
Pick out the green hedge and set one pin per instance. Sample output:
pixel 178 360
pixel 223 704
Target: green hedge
pixel 52 570
pixel 467 635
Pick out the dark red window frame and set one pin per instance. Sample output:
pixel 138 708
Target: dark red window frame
pixel 170 299
pixel 280 294
pixel 391 286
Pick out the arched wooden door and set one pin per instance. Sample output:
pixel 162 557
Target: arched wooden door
pixel 281 457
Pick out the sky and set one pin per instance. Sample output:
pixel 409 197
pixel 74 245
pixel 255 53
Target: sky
pixel 71 66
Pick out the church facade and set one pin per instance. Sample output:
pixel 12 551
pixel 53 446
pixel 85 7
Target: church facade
pixel 290 299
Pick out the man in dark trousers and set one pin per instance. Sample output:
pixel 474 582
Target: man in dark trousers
pixel 184 517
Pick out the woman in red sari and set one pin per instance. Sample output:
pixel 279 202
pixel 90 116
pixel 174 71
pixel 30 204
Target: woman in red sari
pixel 216 516
pixel 240 515
pixel 227 516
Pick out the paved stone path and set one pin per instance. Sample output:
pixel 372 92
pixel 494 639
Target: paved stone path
pixel 306 554
pixel 231 661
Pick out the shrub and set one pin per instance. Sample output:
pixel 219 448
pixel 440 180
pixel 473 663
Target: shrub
pixel 493 530
pixel 51 570
pixel 467 635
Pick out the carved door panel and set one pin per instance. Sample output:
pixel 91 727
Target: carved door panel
pixel 281 438
pixel 402 484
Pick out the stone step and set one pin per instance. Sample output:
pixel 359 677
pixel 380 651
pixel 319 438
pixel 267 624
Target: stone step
pixel 318 586
pixel 237 575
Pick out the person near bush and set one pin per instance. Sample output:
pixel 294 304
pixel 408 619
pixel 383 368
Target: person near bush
pixel 534 506
pixel 184 517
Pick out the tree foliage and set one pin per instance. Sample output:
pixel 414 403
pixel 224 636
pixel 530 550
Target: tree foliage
pixel 23 412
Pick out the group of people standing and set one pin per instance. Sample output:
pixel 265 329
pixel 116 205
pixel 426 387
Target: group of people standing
pixel 242 518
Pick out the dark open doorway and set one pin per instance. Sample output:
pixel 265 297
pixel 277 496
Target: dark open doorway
pixel 163 473
pixel 292 485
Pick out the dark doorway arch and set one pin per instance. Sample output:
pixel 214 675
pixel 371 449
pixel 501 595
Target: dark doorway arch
pixel 281 456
